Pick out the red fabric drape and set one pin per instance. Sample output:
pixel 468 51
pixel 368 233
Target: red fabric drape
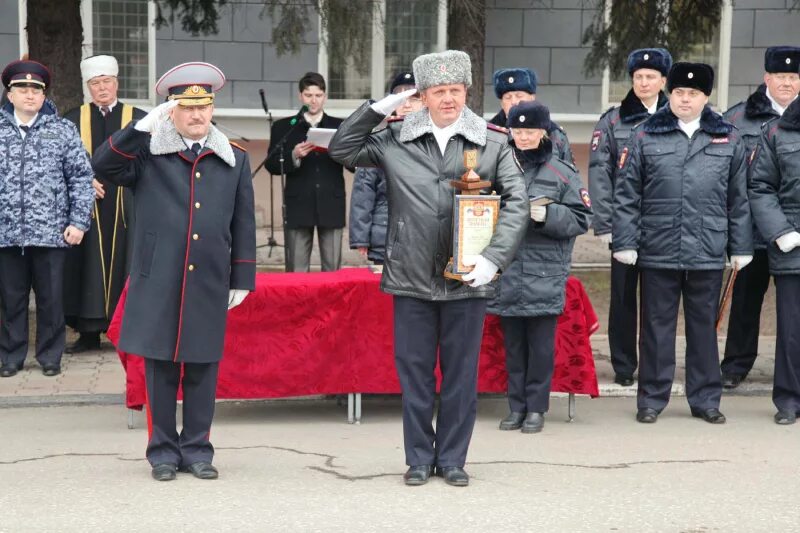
pixel 331 333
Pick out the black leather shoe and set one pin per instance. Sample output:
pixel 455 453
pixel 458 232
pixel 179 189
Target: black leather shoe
pixel 453 475
pixel 710 415
pixel 164 472
pixel 202 470
pixel 622 379
pixel 7 371
pixel 417 475
pixel 86 343
pixel 51 370
pixel 647 415
pixel 512 421
pixel 534 423
pixel 785 418
pixel 731 381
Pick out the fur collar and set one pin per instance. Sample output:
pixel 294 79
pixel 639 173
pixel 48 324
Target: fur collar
pixel 633 110
pixel 664 121
pixel 167 140
pixel 536 157
pixel 790 120
pixel 470 126
pixel 758 104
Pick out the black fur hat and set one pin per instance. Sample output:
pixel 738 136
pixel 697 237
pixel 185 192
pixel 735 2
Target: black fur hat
pixel 782 59
pixel 654 58
pixel 405 77
pixel 531 115
pixel 514 79
pixel 698 76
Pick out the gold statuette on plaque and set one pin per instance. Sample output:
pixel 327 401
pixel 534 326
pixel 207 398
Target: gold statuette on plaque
pixel 470 180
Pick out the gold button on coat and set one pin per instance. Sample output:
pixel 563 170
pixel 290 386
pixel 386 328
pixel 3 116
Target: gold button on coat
pixel 195 236
pixel 191 267
pixel 197 205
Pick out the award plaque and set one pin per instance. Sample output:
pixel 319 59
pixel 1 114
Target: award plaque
pixel 474 217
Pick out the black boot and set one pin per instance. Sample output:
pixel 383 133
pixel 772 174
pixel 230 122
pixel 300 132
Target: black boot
pixel 86 342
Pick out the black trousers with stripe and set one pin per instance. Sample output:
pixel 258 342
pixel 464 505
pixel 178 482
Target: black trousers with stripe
pixel 786 380
pixel 199 384
pixel 455 330
pixel 41 269
pixel 530 359
pixel 623 315
pixel 661 294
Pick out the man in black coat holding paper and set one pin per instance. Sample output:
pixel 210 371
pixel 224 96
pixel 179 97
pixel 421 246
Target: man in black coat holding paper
pixel 314 194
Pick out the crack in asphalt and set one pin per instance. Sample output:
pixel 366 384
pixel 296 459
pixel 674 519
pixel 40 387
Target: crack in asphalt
pixel 330 467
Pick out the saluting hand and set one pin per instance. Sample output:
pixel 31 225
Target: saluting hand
pixel 73 235
pixel 156 116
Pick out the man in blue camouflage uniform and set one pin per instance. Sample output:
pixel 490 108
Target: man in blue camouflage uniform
pixel 769 101
pixel 47 195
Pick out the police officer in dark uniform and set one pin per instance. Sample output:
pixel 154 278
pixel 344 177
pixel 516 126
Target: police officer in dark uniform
pixel 95 271
pixel 515 85
pixel 436 318
pixel 680 204
pixel 775 201
pixel 193 258
pixel 648 68
pixel 531 291
pixel 780 88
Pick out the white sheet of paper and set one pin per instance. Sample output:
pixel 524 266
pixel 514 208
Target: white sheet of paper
pixel 320 136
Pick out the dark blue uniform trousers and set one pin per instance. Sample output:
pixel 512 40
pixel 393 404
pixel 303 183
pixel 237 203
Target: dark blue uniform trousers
pixel 661 295
pixel 530 358
pixel 741 345
pixel 456 329
pixel 199 383
pixel 43 270
pixel 622 317
pixel 786 379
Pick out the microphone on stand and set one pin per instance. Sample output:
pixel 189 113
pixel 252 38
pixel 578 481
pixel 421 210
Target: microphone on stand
pixel 298 115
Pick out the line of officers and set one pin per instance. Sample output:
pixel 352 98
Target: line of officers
pixel 676 187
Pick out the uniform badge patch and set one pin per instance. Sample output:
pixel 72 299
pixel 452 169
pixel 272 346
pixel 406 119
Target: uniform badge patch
pixel 720 140
pixel 596 135
pixel 623 157
pixel 585 198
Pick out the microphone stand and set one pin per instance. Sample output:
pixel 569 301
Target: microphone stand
pixel 271 242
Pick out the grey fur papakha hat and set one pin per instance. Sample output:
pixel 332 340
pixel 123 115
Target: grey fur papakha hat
pixel 442 68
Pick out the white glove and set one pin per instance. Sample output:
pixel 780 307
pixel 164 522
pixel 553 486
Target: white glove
pixel 788 242
pixel 626 257
pixel 156 116
pixel 538 213
pixel 738 262
pixel 482 273
pixel 388 104
pixel 236 296
pixel 605 238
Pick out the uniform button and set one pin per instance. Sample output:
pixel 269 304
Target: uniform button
pixel 197 205
pixel 195 236
pixel 191 267
pixel 197 175
pixel 317 185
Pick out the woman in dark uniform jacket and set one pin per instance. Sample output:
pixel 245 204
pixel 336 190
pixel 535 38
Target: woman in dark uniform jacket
pixel 531 291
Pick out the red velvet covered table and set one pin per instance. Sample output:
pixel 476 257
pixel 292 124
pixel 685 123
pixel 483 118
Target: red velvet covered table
pixel 331 333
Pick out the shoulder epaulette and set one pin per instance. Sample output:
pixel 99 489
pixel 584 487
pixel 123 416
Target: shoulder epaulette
pixel 239 146
pixel 493 127
pixel 609 110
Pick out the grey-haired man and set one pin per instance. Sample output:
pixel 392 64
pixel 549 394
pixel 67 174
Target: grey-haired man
pixel 420 155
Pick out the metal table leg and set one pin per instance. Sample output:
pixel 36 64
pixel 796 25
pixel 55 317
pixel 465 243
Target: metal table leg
pixel 131 419
pixel 571 408
pixel 358 408
pixel 350 408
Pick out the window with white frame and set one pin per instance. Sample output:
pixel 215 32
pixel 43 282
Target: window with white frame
pixel 121 28
pixel 409 28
